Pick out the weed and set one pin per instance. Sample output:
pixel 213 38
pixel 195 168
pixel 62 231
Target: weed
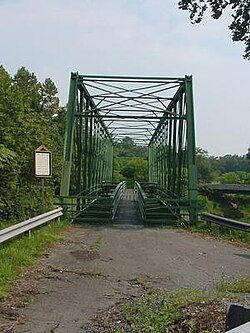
pixel 165 312
pixel 236 286
pixel 95 246
pixel 232 235
pixel 189 311
pixel 146 285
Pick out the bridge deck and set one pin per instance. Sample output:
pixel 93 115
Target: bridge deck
pixel 229 188
pixel 128 210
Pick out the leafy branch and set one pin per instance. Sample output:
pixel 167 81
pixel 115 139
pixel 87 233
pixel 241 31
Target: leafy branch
pixel 240 25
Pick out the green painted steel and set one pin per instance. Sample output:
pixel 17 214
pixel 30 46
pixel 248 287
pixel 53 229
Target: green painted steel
pixel 156 112
pixel 172 161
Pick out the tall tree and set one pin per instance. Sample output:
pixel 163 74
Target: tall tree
pixel 128 148
pixel 205 170
pixel 8 181
pixel 29 116
pixel 28 87
pixel 49 100
pixel 240 25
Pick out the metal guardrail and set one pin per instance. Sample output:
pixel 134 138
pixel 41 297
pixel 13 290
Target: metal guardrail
pixel 225 222
pixel 29 224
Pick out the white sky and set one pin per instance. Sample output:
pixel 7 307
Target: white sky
pixel 135 37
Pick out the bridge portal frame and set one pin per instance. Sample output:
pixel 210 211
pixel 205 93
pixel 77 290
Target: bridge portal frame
pixel 89 145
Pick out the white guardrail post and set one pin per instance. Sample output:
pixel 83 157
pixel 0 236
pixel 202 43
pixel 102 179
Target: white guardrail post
pixel 29 224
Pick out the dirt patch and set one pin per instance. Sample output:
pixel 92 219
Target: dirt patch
pixel 85 255
pixel 71 284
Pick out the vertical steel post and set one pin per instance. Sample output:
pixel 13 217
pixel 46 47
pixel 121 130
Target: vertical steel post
pixel 79 143
pixel 170 153
pixel 94 155
pixel 111 162
pixel 174 150
pixel 86 135
pixel 90 151
pixel 180 149
pixel 68 143
pixel 149 164
pixel 192 170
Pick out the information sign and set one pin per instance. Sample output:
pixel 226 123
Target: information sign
pixel 43 162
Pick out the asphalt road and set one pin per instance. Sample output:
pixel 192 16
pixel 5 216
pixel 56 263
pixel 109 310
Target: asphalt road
pixel 72 284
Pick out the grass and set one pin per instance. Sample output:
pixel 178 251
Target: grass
pixel 241 286
pixel 95 246
pixel 188 311
pixel 182 311
pixel 23 251
pixel 145 285
pixel 232 235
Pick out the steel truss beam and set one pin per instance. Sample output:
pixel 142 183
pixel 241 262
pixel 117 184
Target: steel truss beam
pixel 158 112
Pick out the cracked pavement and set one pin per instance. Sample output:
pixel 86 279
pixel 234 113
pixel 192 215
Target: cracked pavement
pixel 73 284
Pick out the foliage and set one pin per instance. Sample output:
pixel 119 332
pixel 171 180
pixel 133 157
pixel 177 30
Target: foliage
pixel 248 154
pixel 127 148
pixel 205 170
pixel 29 117
pixel 240 177
pixel 230 169
pixel 22 251
pixel 230 163
pixel 135 169
pixel 209 205
pixel 236 286
pixel 231 235
pixel 8 167
pixel 189 311
pixel 240 25
pixel 130 161
pixel 117 169
pixel 95 246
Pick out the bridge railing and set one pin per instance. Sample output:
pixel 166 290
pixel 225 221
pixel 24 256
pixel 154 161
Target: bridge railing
pixel 161 207
pixel 141 199
pixel 225 222
pixel 98 205
pixel 116 196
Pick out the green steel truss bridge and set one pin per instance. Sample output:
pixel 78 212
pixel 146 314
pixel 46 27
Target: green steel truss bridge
pixel 157 112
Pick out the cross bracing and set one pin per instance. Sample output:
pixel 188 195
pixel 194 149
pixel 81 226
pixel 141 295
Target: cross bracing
pixel 155 112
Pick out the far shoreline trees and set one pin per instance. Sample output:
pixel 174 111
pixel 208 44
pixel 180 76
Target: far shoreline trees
pixel 131 159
